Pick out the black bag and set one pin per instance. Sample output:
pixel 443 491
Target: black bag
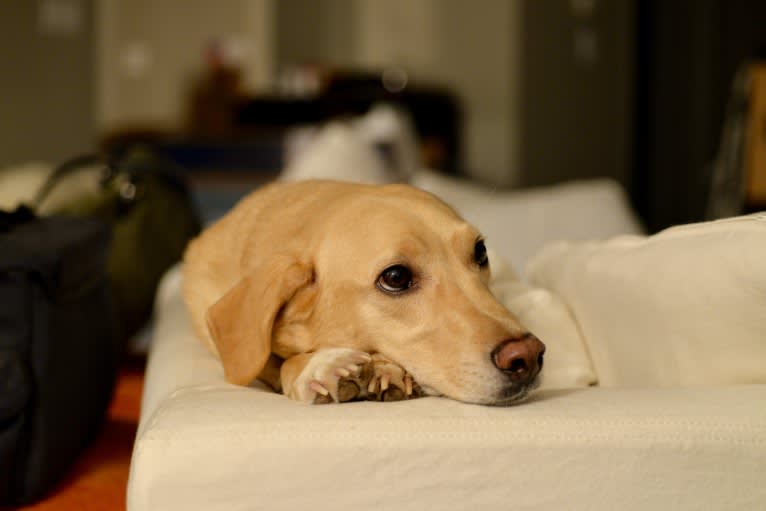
pixel 57 346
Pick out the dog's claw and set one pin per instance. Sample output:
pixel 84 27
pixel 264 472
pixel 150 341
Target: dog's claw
pixel 319 388
pixel 408 385
pixel 330 376
pixel 389 381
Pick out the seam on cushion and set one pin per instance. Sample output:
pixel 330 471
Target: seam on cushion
pixel 620 429
pixel 319 439
pixel 703 425
pixel 750 422
pixel 686 230
pixel 450 440
pixel 723 428
pixel 583 340
pixel 740 433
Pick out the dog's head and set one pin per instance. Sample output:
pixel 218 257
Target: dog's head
pixel 388 269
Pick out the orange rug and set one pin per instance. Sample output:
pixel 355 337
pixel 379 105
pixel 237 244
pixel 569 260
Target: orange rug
pixel 98 480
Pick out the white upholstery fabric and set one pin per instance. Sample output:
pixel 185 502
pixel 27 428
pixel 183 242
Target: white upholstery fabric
pixel 517 223
pixel 685 306
pixel 206 445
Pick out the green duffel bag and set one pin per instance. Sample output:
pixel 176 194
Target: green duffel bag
pixel 146 201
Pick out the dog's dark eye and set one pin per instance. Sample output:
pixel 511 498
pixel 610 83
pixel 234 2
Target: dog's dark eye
pixel 395 279
pixel 480 254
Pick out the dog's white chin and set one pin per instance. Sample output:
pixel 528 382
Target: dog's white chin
pixel 514 396
pixel 507 397
pixel 514 399
pixel 430 391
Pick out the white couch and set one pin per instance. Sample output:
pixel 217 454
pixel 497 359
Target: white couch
pixel 672 327
pixel 206 445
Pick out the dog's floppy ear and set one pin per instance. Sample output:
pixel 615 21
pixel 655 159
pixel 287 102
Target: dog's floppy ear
pixel 241 322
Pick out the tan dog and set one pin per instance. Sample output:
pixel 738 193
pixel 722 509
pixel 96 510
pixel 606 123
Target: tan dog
pixel 312 278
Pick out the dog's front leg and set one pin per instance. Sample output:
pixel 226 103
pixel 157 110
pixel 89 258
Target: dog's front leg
pixel 326 375
pixel 340 375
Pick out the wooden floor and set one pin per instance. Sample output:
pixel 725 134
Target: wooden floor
pixel 98 480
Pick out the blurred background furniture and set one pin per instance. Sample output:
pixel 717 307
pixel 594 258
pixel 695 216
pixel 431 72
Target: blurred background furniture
pixel 524 93
pixel 755 152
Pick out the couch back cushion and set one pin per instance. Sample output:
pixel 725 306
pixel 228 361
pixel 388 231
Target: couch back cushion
pixel 685 306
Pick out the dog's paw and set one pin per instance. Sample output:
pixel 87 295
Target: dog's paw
pixel 332 375
pixel 388 381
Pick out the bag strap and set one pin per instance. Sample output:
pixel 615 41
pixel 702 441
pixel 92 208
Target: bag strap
pixel 60 172
pixel 134 164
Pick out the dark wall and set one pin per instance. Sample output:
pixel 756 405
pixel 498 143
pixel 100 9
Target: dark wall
pixel 687 53
pixel 47 111
pixel 648 110
pixel 577 78
pixel 328 36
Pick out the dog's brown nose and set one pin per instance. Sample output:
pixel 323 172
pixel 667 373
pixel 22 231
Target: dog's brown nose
pixel 520 358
